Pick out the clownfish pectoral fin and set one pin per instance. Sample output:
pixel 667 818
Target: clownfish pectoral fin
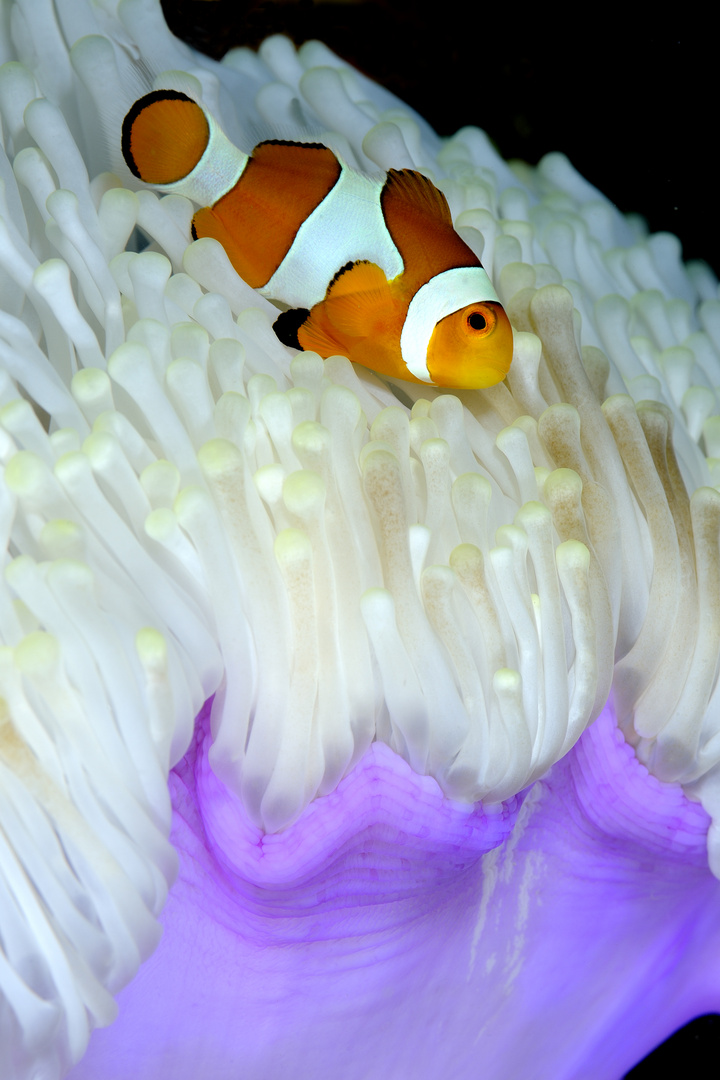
pixel 360 305
pixel 288 323
pixel 418 219
pixel 355 277
pixel 336 323
pixel 357 296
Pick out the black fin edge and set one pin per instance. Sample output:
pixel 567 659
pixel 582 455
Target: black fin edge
pixel 293 142
pixel 288 323
pixel 344 269
pixel 137 108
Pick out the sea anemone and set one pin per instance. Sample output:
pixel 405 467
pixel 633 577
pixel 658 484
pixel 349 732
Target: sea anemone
pixel 395 708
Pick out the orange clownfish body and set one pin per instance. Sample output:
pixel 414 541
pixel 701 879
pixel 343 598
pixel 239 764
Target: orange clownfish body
pixel 370 268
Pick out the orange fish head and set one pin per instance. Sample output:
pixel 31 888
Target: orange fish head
pixel 471 348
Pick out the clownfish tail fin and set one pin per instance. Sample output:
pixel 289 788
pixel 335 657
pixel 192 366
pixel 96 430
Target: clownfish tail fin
pixel 171 142
pixel 288 323
pixel 164 136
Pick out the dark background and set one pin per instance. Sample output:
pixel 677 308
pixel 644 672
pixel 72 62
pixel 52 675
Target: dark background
pixel 631 100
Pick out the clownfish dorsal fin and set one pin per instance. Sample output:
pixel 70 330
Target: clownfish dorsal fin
pixel 309 166
pixel 418 219
pixel 418 192
pixel 290 142
pixel 164 136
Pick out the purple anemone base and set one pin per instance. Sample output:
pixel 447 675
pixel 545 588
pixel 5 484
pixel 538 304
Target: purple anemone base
pixel 392 933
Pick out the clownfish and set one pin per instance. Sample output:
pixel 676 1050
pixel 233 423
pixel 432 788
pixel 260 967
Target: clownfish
pixel 370 268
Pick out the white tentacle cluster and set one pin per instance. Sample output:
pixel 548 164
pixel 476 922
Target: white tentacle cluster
pixel 189 508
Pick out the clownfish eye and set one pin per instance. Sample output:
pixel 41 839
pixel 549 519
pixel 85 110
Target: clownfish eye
pixel 480 320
